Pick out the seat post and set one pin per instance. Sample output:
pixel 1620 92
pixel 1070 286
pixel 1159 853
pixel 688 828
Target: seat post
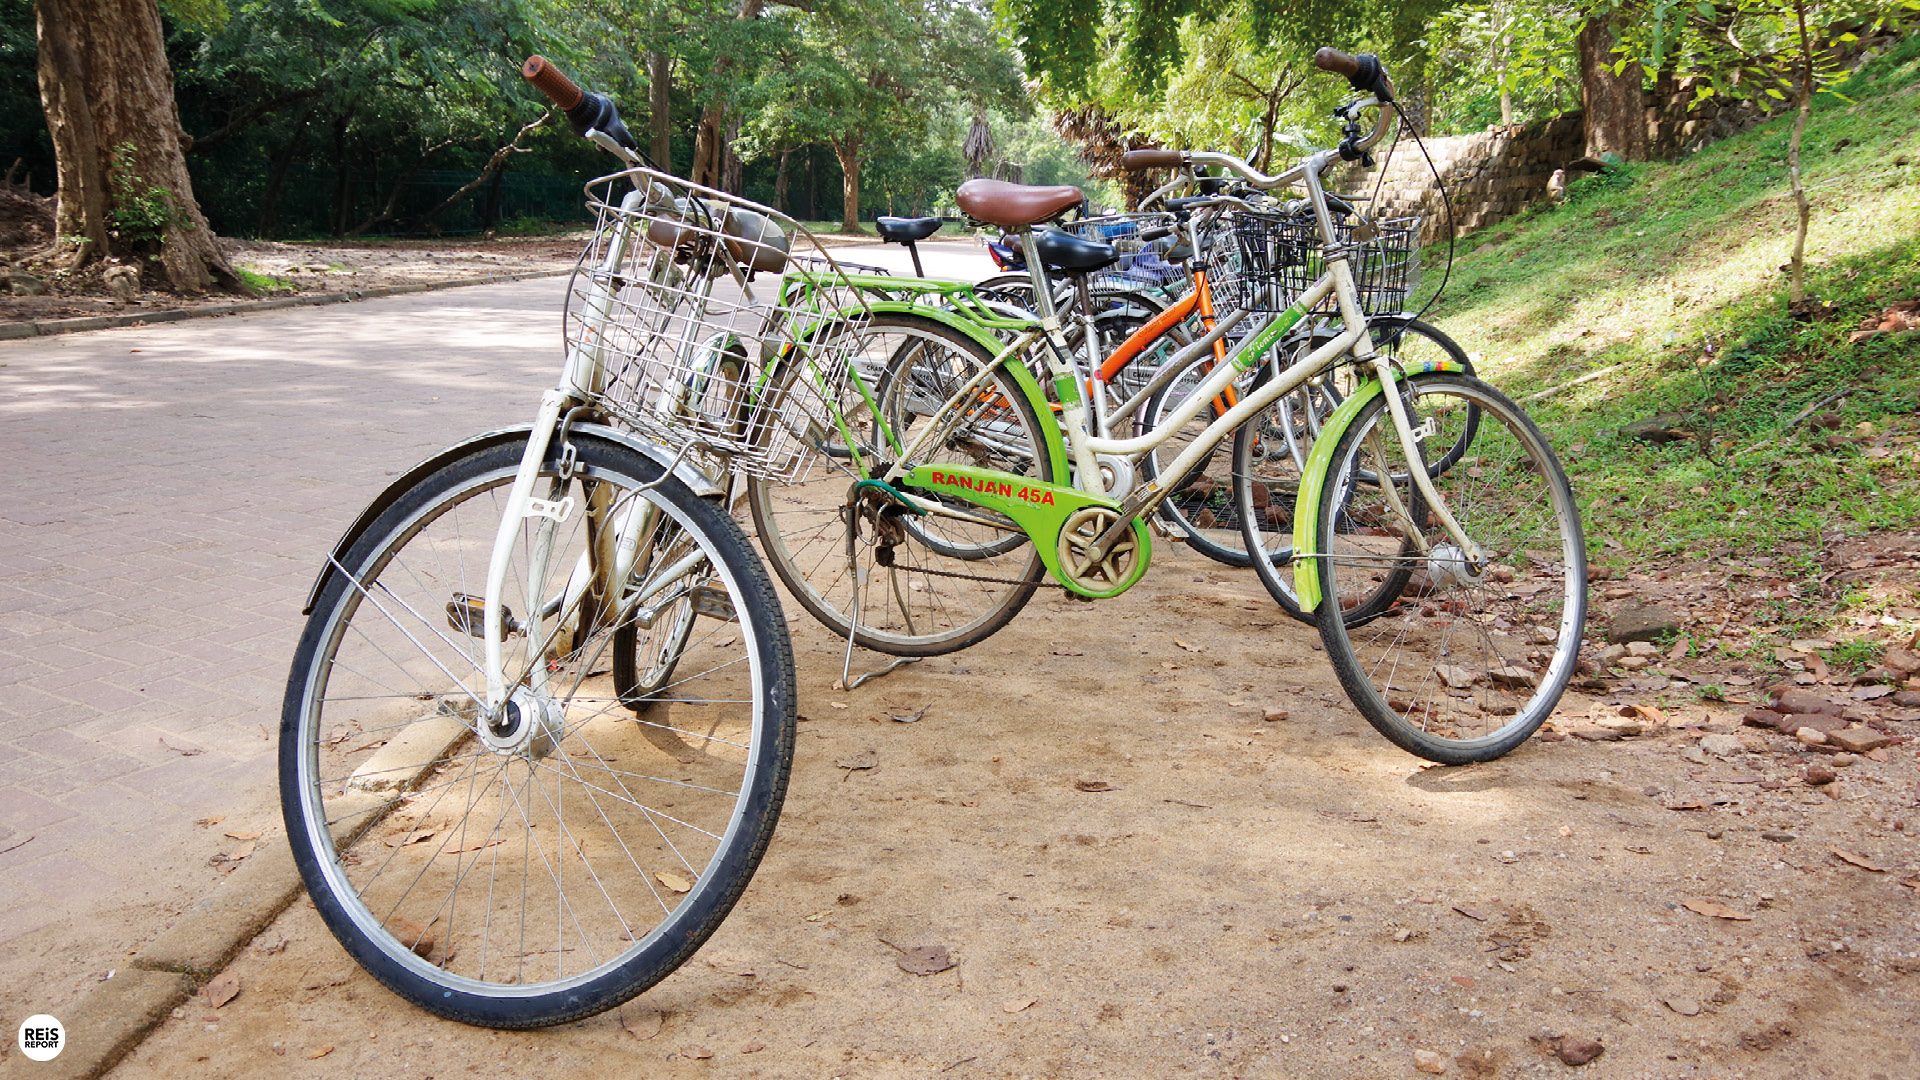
pixel 914 250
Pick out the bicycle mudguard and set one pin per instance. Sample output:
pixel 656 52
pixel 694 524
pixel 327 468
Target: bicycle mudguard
pixel 1039 508
pixel 1306 508
pixel 1022 377
pixel 689 475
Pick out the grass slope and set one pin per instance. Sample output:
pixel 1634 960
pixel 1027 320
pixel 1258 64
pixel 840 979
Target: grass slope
pixel 1666 278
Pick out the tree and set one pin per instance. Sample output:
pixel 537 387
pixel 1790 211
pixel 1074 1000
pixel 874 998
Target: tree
pixel 1611 89
pixel 119 149
pixel 860 76
pixel 1776 53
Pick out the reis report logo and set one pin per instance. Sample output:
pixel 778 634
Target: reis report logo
pixel 42 1037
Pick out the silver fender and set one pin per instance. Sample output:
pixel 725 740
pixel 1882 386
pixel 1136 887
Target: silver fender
pixel 701 484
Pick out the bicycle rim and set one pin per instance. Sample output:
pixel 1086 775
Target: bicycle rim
pixel 1464 661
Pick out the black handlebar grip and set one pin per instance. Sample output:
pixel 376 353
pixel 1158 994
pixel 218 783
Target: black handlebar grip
pixel 1135 160
pixel 1331 59
pixel 550 81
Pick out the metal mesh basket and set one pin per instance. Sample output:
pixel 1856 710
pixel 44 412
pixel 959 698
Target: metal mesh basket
pixel 1270 259
pixel 1143 264
pixel 705 331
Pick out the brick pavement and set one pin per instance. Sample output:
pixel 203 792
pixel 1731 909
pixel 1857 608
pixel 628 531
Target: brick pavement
pixel 168 496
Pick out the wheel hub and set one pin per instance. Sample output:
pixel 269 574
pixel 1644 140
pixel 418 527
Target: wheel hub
pixel 529 723
pixel 1448 567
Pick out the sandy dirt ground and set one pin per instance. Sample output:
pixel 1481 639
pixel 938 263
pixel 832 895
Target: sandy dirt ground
pixel 1236 895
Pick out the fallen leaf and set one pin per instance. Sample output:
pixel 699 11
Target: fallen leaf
pixel 1067 652
pixel 1645 712
pixel 644 1024
pixel 223 988
pixel 753 1047
pixel 1092 785
pixel 410 838
pixel 319 1052
pixel 1860 861
pixel 700 1053
pixel 183 751
pixel 1716 909
pixel 836 704
pixel 1184 645
pixel 209 822
pixel 674 882
pixel 1472 913
pixel 234 834
pixel 241 852
pixel 925 960
pixel 1017 1005
pixel 496 842
pixel 909 718
pixel 1685 1006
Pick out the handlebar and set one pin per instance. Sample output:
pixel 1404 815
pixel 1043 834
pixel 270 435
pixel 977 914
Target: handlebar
pixel 1364 72
pixel 585 111
pixel 550 81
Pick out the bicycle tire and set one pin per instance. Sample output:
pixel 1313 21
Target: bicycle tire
pixel 804 534
pixel 1464 664
pixel 370 827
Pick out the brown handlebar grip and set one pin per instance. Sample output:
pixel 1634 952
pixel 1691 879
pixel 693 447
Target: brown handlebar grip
pixel 1135 160
pixel 1337 62
pixel 548 80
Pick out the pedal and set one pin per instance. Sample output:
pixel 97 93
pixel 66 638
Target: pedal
pixel 468 615
pixel 713 602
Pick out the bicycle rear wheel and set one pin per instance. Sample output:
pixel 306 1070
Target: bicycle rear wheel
pixel 554 859
pixel 860 563
pixel 1466 661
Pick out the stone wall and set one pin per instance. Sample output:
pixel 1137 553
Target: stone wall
pixel 1491 174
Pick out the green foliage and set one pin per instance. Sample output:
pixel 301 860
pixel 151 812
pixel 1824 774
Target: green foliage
pixel 1480 53
pixel 264 284
pixel 1598 185
pixel 1669 293
pixel 142 212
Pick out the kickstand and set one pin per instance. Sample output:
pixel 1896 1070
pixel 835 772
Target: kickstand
pixel 855 574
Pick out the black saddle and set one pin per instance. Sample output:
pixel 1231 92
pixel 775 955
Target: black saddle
pixel 906 230
pixel 1065 251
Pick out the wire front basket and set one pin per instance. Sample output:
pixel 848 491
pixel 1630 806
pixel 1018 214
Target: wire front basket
pixel 698 327
pixel 1143 264
pixel 1270 259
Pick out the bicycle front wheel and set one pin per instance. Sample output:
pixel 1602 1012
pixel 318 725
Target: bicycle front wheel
pixel 1467 658
pixel 541 862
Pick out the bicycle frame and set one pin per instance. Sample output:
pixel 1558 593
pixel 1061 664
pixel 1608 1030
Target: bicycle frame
pixel 1083 445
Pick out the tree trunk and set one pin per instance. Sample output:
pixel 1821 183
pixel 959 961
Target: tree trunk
pixel 660 108
pixel 105 85
pixel 1800 202
pixel 711 146
pixel 342 180
pixel 813 191
pixel 733 172
pixel 277 176
pixel 848 151
pixel 1502 45
pixel 1615 110
pixel 780 181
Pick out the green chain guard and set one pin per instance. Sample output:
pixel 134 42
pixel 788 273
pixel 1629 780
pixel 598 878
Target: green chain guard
pixel 1040 509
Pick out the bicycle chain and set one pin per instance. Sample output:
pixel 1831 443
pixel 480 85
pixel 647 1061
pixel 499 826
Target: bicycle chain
pixel 1045 582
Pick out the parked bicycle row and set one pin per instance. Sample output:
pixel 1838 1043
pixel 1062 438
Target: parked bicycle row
pixel 541 720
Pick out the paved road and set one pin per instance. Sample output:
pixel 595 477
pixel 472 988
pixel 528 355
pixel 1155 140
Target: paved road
pixel 169 495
